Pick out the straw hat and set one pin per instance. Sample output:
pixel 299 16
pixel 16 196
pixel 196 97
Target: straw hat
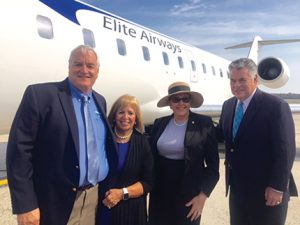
pixel 181 88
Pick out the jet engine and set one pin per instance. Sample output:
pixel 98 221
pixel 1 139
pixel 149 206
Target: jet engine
pixel 273 72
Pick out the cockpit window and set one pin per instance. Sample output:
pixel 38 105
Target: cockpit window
pixel 44 27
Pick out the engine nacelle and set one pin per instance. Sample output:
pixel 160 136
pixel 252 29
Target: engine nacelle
pixel 273 72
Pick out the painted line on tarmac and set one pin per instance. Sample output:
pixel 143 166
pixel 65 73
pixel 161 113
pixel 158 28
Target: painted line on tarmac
pixel 3 182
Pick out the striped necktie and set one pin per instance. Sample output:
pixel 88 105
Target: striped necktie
pixel 238 116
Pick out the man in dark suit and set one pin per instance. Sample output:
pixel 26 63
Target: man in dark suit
pixel 49 157
pixel 259 135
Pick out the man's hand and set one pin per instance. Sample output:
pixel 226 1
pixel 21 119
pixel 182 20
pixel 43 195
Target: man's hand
pixel 273 197
pixel 29 218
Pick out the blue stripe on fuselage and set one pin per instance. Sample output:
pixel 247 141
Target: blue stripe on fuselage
pixel 68 9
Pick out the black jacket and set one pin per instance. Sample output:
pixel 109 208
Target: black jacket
pixel 201 153
pixel 138 167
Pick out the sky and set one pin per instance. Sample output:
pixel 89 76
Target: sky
pixel 213 25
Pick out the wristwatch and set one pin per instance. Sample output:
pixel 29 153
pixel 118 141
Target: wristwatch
pixel 125 194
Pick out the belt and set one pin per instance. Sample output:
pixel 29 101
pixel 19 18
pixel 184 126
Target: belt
pixel 85 187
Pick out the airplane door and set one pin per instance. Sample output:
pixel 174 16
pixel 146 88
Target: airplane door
pixel 194 76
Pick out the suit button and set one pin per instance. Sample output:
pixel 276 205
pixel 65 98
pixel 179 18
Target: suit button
pixel 74 189
pixel 77 167
pixel 231 150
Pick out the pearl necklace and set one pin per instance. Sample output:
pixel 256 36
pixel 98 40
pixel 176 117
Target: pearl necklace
pixel 122 137
pixel 181 124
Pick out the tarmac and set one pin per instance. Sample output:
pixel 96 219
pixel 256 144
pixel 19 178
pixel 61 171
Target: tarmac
pixel 216 210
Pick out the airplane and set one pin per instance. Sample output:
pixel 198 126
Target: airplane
pixel 37 37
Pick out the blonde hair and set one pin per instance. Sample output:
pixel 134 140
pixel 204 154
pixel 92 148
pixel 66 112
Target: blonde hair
pixel 123 101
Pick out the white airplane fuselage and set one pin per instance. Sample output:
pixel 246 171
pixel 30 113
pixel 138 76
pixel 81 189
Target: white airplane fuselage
pixel 30 53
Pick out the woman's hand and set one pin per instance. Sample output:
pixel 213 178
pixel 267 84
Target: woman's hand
pixel 196 204
pixel 112 197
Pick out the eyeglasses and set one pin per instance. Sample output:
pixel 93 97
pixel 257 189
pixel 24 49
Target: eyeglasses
pixel 177 99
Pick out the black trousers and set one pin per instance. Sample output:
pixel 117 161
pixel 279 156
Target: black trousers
pixel 253 211
pixel 167 203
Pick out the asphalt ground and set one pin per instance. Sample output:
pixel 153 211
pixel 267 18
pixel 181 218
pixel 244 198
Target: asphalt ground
pixel 215 211
pixel 216 208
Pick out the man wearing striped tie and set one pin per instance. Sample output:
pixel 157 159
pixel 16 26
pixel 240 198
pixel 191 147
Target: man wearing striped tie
pixel 259 135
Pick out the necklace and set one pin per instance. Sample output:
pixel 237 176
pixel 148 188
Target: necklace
pixel 122 137
pixel 179 124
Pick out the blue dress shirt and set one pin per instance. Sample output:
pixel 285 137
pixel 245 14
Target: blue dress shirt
pixel 99 131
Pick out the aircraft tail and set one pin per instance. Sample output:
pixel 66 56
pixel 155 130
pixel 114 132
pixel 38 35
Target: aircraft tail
pixel 256 45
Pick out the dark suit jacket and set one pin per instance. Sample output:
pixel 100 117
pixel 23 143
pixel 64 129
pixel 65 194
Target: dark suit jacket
pixel 201 153
pixel 42 162
pixel 263 151
pixel 138 167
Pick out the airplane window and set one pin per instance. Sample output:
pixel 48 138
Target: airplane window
pixel 213 70
pixel 204 68
pixel 121 47
pixel 146 53
pixel 221 73
pixel 180 62
pixel 88 37
pixel 193 65
pixel 166 58
pixel 44 27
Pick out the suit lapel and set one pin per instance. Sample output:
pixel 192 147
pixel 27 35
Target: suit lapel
pixel 190 129
pixel 230 111
pixel 67 105
pixel 250 113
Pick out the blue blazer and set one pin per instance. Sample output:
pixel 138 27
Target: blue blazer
pixel 42 161
pixel 263 150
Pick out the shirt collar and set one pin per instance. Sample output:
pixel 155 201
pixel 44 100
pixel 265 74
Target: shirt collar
pixel 247 101
pixel 77 93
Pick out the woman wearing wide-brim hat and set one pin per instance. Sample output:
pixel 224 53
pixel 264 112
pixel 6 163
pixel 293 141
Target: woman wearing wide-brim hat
pixel 186 159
